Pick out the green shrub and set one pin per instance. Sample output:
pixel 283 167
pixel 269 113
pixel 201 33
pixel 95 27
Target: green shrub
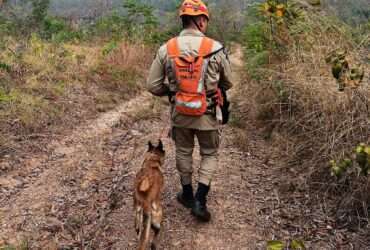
pixel 137 23
pixel 66 36
pixel 6 27
pixel 111 26
pixel 256 44
pixel 52 26
pixel 258 59
pixel 5 67
pixel 39 9
pixel 255 37
pixel 57 30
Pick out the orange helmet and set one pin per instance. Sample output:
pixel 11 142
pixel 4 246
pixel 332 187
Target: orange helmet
pixel 193 8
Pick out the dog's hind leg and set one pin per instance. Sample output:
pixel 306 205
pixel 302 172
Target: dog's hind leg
pixel 156 223
pixel 144 239
pixel 139 216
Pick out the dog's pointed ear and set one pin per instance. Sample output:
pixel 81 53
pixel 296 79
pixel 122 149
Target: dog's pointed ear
pixel 150 145
pixel 160 146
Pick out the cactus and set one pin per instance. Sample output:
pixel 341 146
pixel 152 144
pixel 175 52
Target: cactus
pixel 342 72
pixel 363 158
pixel 336 70
pixel 337 170
pixel 356 76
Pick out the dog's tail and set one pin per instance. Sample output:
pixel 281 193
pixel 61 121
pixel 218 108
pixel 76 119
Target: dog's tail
pixel 144 185
pixel 144 234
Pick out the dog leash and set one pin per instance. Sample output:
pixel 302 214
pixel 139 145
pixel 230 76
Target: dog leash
pixel 166 132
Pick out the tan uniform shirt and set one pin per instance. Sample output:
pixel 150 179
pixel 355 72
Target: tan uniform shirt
pixel 218 74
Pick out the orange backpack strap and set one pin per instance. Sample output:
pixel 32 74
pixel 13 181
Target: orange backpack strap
pixel 173 48
pixel 206 47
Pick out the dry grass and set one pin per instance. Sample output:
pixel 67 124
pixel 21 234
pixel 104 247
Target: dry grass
pixel 121 72
pixel 298 104
pixel 43 83
pixel 131 56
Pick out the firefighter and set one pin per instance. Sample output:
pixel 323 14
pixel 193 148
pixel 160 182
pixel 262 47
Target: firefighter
pixel 198 72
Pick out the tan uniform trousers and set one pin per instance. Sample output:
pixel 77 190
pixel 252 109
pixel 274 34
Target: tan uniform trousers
pixel 209 142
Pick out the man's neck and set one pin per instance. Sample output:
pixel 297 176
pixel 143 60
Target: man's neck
pixel 194 29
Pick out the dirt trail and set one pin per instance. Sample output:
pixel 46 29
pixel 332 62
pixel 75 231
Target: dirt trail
pixel 77 195
pixel 231 201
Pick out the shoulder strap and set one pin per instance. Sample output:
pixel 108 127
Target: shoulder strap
pixel 173 48
pixel 204 50
pixel 205 47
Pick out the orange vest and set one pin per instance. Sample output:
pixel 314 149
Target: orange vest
pixel 189 71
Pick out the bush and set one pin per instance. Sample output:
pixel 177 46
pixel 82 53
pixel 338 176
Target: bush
pixel 56 30
pixel 6 27
pixel 296 99
pixel 136 23
pixel 111 27
pixel 52 26
pixel 39 11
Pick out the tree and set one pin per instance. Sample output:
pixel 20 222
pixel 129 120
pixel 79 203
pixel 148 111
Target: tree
pixel 39 11
pixel 140 14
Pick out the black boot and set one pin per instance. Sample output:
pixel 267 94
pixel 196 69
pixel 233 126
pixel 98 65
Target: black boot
pixel 199 210
pixel 186 196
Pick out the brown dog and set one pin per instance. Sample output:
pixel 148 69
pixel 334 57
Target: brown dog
pixel 147 196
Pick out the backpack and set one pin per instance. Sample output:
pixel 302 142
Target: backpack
pixel 189 71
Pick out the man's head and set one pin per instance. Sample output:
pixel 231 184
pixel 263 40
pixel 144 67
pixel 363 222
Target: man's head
pixel 194 14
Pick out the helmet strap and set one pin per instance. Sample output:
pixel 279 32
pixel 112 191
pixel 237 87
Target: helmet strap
pixel 196 24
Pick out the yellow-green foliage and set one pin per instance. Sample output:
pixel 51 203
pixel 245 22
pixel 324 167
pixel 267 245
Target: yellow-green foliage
pixel 5 97
pixel 41 81
pixel 29 111
pixel 361 157
pixel 280 245
pixel 8 247
pixel 337 169
pixel 33 84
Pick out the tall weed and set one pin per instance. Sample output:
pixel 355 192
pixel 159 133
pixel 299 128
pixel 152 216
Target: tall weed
pixel 295 97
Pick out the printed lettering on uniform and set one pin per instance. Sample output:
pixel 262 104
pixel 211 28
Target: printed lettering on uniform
pixel 187 70
pixel 187 77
